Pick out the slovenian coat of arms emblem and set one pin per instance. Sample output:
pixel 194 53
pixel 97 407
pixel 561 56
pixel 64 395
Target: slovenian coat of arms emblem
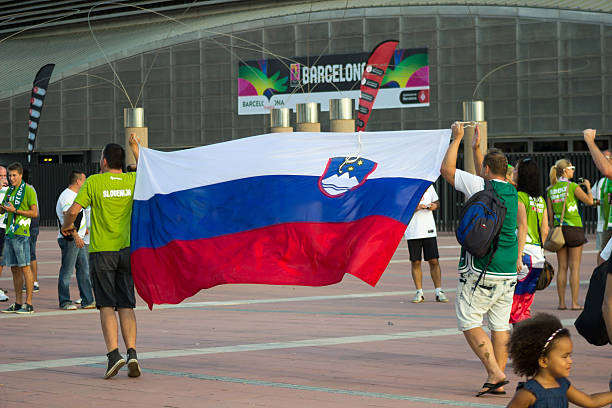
pixel 344 174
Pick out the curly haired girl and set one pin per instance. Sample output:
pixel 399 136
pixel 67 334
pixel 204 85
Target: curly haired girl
pixel 541 348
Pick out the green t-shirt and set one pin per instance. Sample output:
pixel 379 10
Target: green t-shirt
pixel 29 199
pixel 110 196
pixel 556 195
pixel 535 213
pixel 605 189
pixel 503 263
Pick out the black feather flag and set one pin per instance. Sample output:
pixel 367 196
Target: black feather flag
pixel 39 90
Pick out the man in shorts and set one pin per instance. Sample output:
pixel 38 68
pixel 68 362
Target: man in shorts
pixel 110 195
pixel 421 238
pixel 21 205
pixel 491 294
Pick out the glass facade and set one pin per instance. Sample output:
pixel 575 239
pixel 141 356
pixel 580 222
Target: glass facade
pixel 539 78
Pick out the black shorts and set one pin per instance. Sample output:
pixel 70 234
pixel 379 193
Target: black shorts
pixel 428 246
pixel 111 277
pixel 574 236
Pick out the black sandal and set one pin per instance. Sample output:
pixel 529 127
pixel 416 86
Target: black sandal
pixel 490 387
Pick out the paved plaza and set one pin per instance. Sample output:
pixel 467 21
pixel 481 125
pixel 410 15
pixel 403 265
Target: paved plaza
pixel 346 345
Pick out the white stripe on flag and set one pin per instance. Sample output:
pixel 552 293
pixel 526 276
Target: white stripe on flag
pixel 412 154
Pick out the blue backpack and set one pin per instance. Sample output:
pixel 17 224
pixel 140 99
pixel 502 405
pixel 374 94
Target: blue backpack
pixel 480 223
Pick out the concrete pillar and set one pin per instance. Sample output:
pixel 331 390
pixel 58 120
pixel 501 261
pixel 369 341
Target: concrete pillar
pixel 280 120
pixel 307 117
pixel 342 115
pixel 133 122
pixel 473 111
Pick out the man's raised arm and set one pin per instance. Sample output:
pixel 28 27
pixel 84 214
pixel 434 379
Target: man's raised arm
pixel 135 146
pixel 598 157
pixel 449 163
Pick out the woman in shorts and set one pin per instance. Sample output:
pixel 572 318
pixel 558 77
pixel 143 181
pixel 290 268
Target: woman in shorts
pixel 561 193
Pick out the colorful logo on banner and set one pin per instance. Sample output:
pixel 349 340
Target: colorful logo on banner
pixel 39 90
pixel 267 84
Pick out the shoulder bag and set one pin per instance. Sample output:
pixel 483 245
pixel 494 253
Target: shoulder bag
pixel 555 240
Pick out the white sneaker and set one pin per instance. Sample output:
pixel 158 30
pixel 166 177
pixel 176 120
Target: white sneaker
pixel 441 297
pixel 418 298
pixel 3 297
pixel 78 301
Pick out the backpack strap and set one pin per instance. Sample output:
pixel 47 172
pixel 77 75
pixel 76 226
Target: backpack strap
pixel 494 244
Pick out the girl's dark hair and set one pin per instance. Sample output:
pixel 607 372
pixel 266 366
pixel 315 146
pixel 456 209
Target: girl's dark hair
pixel 529 177
pixel 528 342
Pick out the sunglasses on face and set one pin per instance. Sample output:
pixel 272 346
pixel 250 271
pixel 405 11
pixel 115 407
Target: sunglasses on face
pixel 571 167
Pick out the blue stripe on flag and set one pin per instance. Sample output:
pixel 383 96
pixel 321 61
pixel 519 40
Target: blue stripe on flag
pixel 256 202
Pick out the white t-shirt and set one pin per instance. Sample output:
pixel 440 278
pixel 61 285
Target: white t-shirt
pixel 64 202
pixel 422 224
pixel 3 191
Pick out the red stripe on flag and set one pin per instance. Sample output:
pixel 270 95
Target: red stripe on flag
pixel 307 254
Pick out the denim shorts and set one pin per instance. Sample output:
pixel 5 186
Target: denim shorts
pixel 492 298
pixel 16 251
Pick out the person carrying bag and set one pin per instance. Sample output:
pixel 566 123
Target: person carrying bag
pixel 555 240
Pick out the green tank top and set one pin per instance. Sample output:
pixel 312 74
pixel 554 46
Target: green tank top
pixel 534 207
pixel 503 264
pixel 556 195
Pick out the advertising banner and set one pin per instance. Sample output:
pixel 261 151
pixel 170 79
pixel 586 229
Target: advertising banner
pixel 272 83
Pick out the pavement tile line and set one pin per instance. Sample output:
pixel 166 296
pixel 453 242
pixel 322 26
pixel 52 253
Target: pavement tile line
pixel 300 387
pixel 329 341
pixel 190 305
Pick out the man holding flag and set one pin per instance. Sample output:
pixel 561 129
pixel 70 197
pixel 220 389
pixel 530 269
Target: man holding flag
pixel 110 195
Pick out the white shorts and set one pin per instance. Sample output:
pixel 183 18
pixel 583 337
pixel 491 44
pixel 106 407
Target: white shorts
pixel 492 297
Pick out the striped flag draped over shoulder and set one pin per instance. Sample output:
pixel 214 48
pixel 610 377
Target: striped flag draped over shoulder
pixel 281 209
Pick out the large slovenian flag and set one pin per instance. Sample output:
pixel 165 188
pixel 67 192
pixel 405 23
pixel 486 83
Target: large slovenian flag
pixel 281 209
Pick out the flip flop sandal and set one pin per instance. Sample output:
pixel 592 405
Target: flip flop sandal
pixel 490 387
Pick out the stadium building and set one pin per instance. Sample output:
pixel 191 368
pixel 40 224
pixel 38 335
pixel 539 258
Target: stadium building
pixel 543 68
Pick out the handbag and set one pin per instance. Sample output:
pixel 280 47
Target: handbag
pixel 546 276
pixel 555 240
pixel 548 272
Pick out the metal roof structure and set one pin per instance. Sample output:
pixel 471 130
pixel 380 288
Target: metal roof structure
pixel 80 35
pixel 17 15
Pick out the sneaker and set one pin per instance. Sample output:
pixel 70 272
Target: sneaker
pixel 25 309
pixel 132 363
pixel 78 301
pixel 92 305
pixel 36 287
pixel 115 362
pixel 68 306
pixel 3 297
pixel 418 298
pixel 441 297
pixel 12 308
